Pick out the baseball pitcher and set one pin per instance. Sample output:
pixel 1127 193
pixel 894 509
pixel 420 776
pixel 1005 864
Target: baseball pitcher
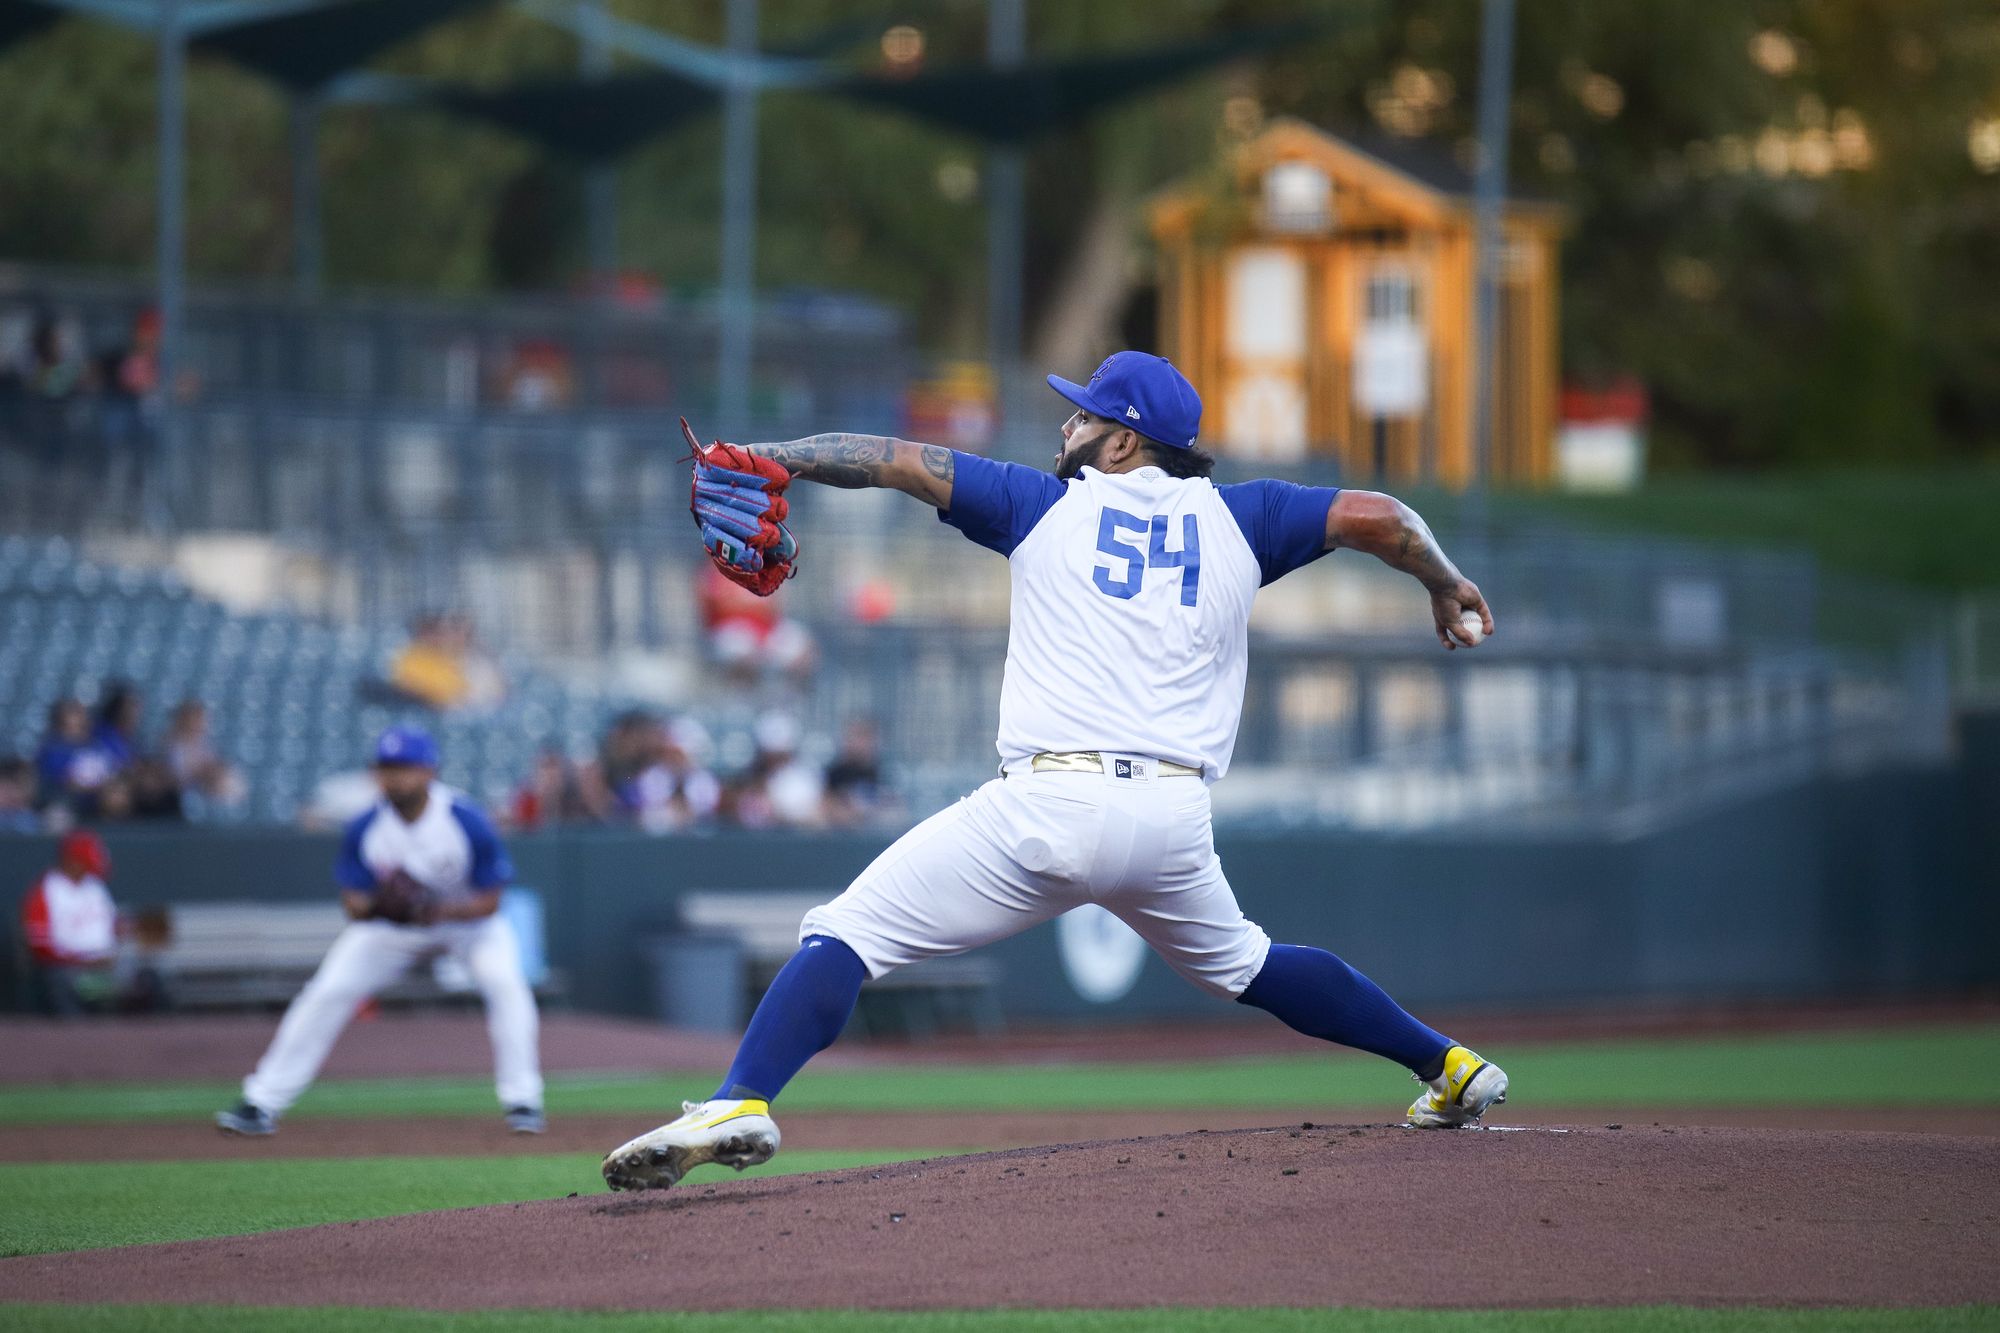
pixel 420 874
pixel 1133 575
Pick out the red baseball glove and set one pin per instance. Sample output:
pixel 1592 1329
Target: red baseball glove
pixel 738 502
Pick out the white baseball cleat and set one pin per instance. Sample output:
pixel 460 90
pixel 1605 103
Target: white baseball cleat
pixel 1460 1095
pixel 734 1133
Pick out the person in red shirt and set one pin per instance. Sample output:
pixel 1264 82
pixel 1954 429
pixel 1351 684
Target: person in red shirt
pixel 71 926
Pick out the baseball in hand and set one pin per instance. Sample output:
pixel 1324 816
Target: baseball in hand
pixel 1474 627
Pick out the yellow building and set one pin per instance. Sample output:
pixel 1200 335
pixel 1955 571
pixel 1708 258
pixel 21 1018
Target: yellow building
pixel 1320 296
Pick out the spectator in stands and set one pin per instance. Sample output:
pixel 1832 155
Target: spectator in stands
pixel 56 377
pixel 538 377
pixel 57 369
pixel 197 768
pixel 557 792
pixel 17 796
pixel 778 789
pixel 442 667
pixel 337 799
pixel 855 792
pixel 672 791
pixel 120 709
pixel 627 748
pixel 70 765
pixel 154 794
pixel 71 927
pixel 750 635
pixel 130 404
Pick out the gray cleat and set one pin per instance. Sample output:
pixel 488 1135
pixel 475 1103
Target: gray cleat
pixel 247 1120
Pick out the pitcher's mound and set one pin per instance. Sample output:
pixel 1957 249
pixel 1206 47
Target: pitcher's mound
pixel 1320 1215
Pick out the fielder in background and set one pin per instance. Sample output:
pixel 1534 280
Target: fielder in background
pixel 420 874
pixel 1127 648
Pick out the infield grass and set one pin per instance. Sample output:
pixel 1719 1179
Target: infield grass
pixel 1880 1067
pixel 53 1206
pixel 1629 1319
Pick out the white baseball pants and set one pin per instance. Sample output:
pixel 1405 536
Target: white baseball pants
pixel 367 956
pixel 1031 846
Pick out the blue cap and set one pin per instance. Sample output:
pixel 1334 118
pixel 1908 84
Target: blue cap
pixel 406 745
pixel 1141 392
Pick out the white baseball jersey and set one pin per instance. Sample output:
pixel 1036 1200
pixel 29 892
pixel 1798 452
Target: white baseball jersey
pixel 1130 631
pixel 1131 601
pixel 450 847
pixel 70 920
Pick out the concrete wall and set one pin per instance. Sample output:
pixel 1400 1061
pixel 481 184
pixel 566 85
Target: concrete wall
pixel 1874 885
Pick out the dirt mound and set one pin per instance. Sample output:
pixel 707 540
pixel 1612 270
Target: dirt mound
pixel 1372 1215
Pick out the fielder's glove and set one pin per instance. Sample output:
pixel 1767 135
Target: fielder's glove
pixel 739 504
pixel 405 900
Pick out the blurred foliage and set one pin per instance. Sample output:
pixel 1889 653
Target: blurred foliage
pixel 1817 316
pixel 1931 527
pixel 1782 306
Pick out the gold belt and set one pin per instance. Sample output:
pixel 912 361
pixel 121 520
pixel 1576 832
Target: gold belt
pixel 1091 761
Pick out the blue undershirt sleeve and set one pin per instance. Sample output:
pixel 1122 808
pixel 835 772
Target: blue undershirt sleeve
pixel 490 867
pixel 1284 523
pixel 998 504
pixel 349 870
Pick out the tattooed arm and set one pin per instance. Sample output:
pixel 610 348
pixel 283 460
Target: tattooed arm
pixel 854 461
pixel 1392 532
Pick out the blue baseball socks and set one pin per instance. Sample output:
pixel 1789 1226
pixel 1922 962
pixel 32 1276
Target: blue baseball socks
pixel 799 1017
pixel 1314 992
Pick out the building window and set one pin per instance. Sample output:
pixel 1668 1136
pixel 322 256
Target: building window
pixel 1298 198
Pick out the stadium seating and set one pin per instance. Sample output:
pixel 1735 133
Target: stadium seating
pixel 283 691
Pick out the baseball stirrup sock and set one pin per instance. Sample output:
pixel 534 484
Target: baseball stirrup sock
pixel 799 1017
pixel 1318 994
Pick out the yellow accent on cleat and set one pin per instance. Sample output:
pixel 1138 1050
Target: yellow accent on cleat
pixel 730 1111
pixel 727 1131
pixel 1461 1094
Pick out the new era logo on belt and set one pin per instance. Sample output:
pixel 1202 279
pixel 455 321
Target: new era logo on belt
pixel 1121 768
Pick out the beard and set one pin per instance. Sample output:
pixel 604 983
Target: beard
pixel 1076 460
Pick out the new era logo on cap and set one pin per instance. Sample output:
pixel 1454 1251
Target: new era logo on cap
pixel 1138 386
pixel 406 745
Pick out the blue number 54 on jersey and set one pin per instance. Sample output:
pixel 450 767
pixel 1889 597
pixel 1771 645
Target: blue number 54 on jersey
pixel 1155 555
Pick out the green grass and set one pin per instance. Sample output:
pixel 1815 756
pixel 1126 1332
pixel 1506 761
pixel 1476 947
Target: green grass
pixel 1631 1319
pixel 1891 1067
pixel 86 1205
pixel 1931 527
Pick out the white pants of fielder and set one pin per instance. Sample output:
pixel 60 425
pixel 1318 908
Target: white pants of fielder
pixel 369 955
pixel 1031 846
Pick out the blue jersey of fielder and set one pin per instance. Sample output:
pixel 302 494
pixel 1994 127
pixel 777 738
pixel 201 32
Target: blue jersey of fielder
pixel 450 847
pixel 1130 622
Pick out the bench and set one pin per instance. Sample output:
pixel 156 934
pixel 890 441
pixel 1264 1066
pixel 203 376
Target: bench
pixel 917 999
pixel 236 955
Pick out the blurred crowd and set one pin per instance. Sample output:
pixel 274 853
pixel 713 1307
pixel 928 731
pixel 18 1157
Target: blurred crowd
pixel 78 409
pixel 661 775
pixel 98 763
pixel 443 667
